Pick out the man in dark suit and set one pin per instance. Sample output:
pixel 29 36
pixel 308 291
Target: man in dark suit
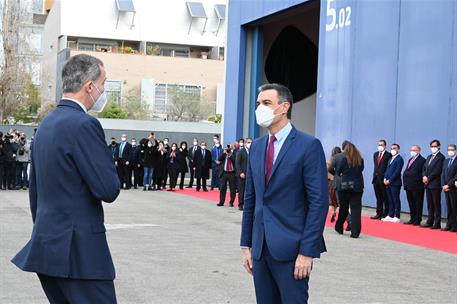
pixel 380 160
pixel 448 178
pixel 190 157
pixel 72 173
pixel 227 169
pixel 113 146
pixel 241 166
pixel 392 180
pixel 202 164
pixel 122 162
pixel 412 183
pixel 431 177
pixel 135 164
pixel 286 203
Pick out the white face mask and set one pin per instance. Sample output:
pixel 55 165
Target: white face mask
pixel 149 145
pixel 165 142
pixel 203 147
pixel 380 148
pixel 265 116
pixel 248 146
pixel 451 153
pixel 123 139
pixel 434 150
pixel 413 153
pixel 218 145
pixel 393 152
pixel 100 104
pixel 241 144
pixel 195 143
pixel 133 143
pixel 173 148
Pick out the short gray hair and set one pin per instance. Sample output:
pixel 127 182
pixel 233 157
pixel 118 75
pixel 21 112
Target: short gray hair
pixel 284 94
pixel 78 70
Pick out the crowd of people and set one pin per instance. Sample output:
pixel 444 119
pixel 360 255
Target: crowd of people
pixel 14 160
pixel 421 177
pixel 158 164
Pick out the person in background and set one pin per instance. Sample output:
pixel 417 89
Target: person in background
pixel 10 147
pixel 160 169
pixel 183 164
pixel 23 160
pixel 2 162
pixel 332 181
pixel 122 162
pixel 241 166
pixel 392 180
pixel 135 163
pixel 380 159
pixel 202 164
pixel 174 161
pixel 149 160
pixel 227 174
pixel 431 177
pixel 448 178
pixel 412 183
pixel 216 153
pixel 167 149
pixel 190 157
pixel 113 146
pixel 349 166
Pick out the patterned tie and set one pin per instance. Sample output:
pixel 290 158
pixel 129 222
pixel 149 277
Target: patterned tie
pixel 379 158
pixel 229 164
pixel 269 159
pixel 411 162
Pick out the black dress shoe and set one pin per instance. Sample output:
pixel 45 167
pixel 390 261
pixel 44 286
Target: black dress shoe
pixel 454 229
pixel 240 208
pixel 408 223
pixel 189 187
pixel 354 236
pixel 375 217
pixel 220 204
pixel 436 227
pixel 205 190
pixel 198 190
pixel 339 231
pixel 332 219
pixel 416 224
pixel 426 225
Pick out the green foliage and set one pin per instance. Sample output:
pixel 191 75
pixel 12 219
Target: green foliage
pixel 28 111
pixel 112 110
pixel 215 118
pixel 134 108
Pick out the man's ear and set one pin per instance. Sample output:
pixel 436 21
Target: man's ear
pixel 89 86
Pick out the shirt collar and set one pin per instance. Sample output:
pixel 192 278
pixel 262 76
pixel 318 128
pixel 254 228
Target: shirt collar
pixel 283 133
pixel 77 102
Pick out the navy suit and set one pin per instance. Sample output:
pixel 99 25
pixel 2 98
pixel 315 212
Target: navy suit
pixel 286 217
pixel 72 173
pixel 393 174
pixel 448 177
pixel 414 187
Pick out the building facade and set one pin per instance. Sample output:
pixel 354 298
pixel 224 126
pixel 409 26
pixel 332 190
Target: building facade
pixel 383 70
pixel 148 47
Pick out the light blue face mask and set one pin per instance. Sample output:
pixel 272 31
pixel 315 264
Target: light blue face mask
pixel 98 105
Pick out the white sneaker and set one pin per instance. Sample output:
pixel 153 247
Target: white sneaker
pixel 387 219
pixel 395 220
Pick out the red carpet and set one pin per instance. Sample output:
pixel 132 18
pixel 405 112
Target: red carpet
pixel 413 235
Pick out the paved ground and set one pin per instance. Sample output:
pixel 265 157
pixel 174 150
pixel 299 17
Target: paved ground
pixel 169 248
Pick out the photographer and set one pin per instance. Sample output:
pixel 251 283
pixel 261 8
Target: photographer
pixel 227 174
pixel 10 148
pixel 22 163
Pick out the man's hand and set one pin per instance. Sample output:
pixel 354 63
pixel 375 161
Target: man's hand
pixel 386 182
pixel 127 163
pixel 455 183
pixel 446 188
pixel 242 175
pixel 303 267
pixel 247 259
pixel 425 180
pixel 218 162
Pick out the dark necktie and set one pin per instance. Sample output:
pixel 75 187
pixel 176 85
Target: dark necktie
pixel 431 159
pixel 229 164
pixel 269 159
pixel 450 162
pixel 411 162
pixel 379 158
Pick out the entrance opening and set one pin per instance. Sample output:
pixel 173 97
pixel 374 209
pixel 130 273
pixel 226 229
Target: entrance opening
pixel 291 40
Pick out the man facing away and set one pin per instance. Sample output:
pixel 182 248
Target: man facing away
pixel 285 204
pixel 72 173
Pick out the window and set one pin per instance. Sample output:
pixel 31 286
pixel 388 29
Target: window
pixel 86 47
pixel 181 53
pixel 113 89
pixel 162 94
pixel 166 52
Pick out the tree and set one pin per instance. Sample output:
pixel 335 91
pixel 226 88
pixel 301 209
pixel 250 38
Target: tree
pixel 27 113
pixel 14 77
pixel 135 109
pixel 186 106
pixel 112 110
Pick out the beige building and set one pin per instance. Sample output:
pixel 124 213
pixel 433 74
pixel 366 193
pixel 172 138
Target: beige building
pixel 148 47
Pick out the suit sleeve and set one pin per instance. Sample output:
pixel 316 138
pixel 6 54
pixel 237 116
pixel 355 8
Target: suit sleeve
pixel 436 171
pixel 32 191
pixel 249 208
pixel 398 168
pixel 443 172
pixel 95 163
pixel 315 182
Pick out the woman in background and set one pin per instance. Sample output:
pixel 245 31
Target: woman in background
pixel 184 168
pixel 160 169
pixel 332 181
pixel 149 155
pixel 173 165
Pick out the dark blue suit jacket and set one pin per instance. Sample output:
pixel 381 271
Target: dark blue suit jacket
pixel 72 173
pixel 393 171
pixel 289 213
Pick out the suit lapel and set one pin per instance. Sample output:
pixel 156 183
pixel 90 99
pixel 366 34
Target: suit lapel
pixel 263 149
pixel 287 143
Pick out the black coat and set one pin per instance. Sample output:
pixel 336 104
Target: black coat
pixel 190 155
pixel 150 156
pixel 379 171
pixel 126 153
pixel 412 176
pixel 174 163
pixel 241 161
pixel 183 154
pixel 202 165
pixel 160 169
pixel 2 152
pixel 222 158
pixel 433 171
pixel 348 174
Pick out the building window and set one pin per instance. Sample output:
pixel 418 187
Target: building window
pixel 113 89
pixel 88 47
pixel 163 93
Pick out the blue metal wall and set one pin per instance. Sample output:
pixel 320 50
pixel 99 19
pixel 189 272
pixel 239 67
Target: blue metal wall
pixel 388 71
